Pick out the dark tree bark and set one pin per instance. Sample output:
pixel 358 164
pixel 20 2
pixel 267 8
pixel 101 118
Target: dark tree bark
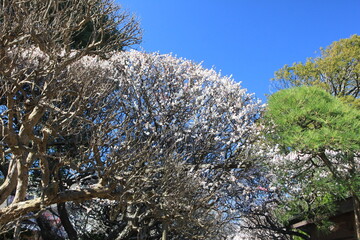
pixel 64 217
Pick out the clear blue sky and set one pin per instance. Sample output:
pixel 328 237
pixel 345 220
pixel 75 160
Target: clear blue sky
pixel 249 39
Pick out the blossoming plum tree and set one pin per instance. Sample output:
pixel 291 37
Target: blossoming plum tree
pixel 156 140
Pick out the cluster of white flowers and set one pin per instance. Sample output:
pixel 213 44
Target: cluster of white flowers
pixel 180 100
pixel 162 90
pixel 298 162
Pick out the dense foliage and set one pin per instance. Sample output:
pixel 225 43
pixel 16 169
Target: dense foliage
pixel 318 161
pixel 310 119
pixel 336 69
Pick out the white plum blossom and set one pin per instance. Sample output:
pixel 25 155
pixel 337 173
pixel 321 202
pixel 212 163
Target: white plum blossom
pixel 152 130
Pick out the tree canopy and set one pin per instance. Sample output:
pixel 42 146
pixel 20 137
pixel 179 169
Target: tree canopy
pixel 310 119
pixel 336 69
